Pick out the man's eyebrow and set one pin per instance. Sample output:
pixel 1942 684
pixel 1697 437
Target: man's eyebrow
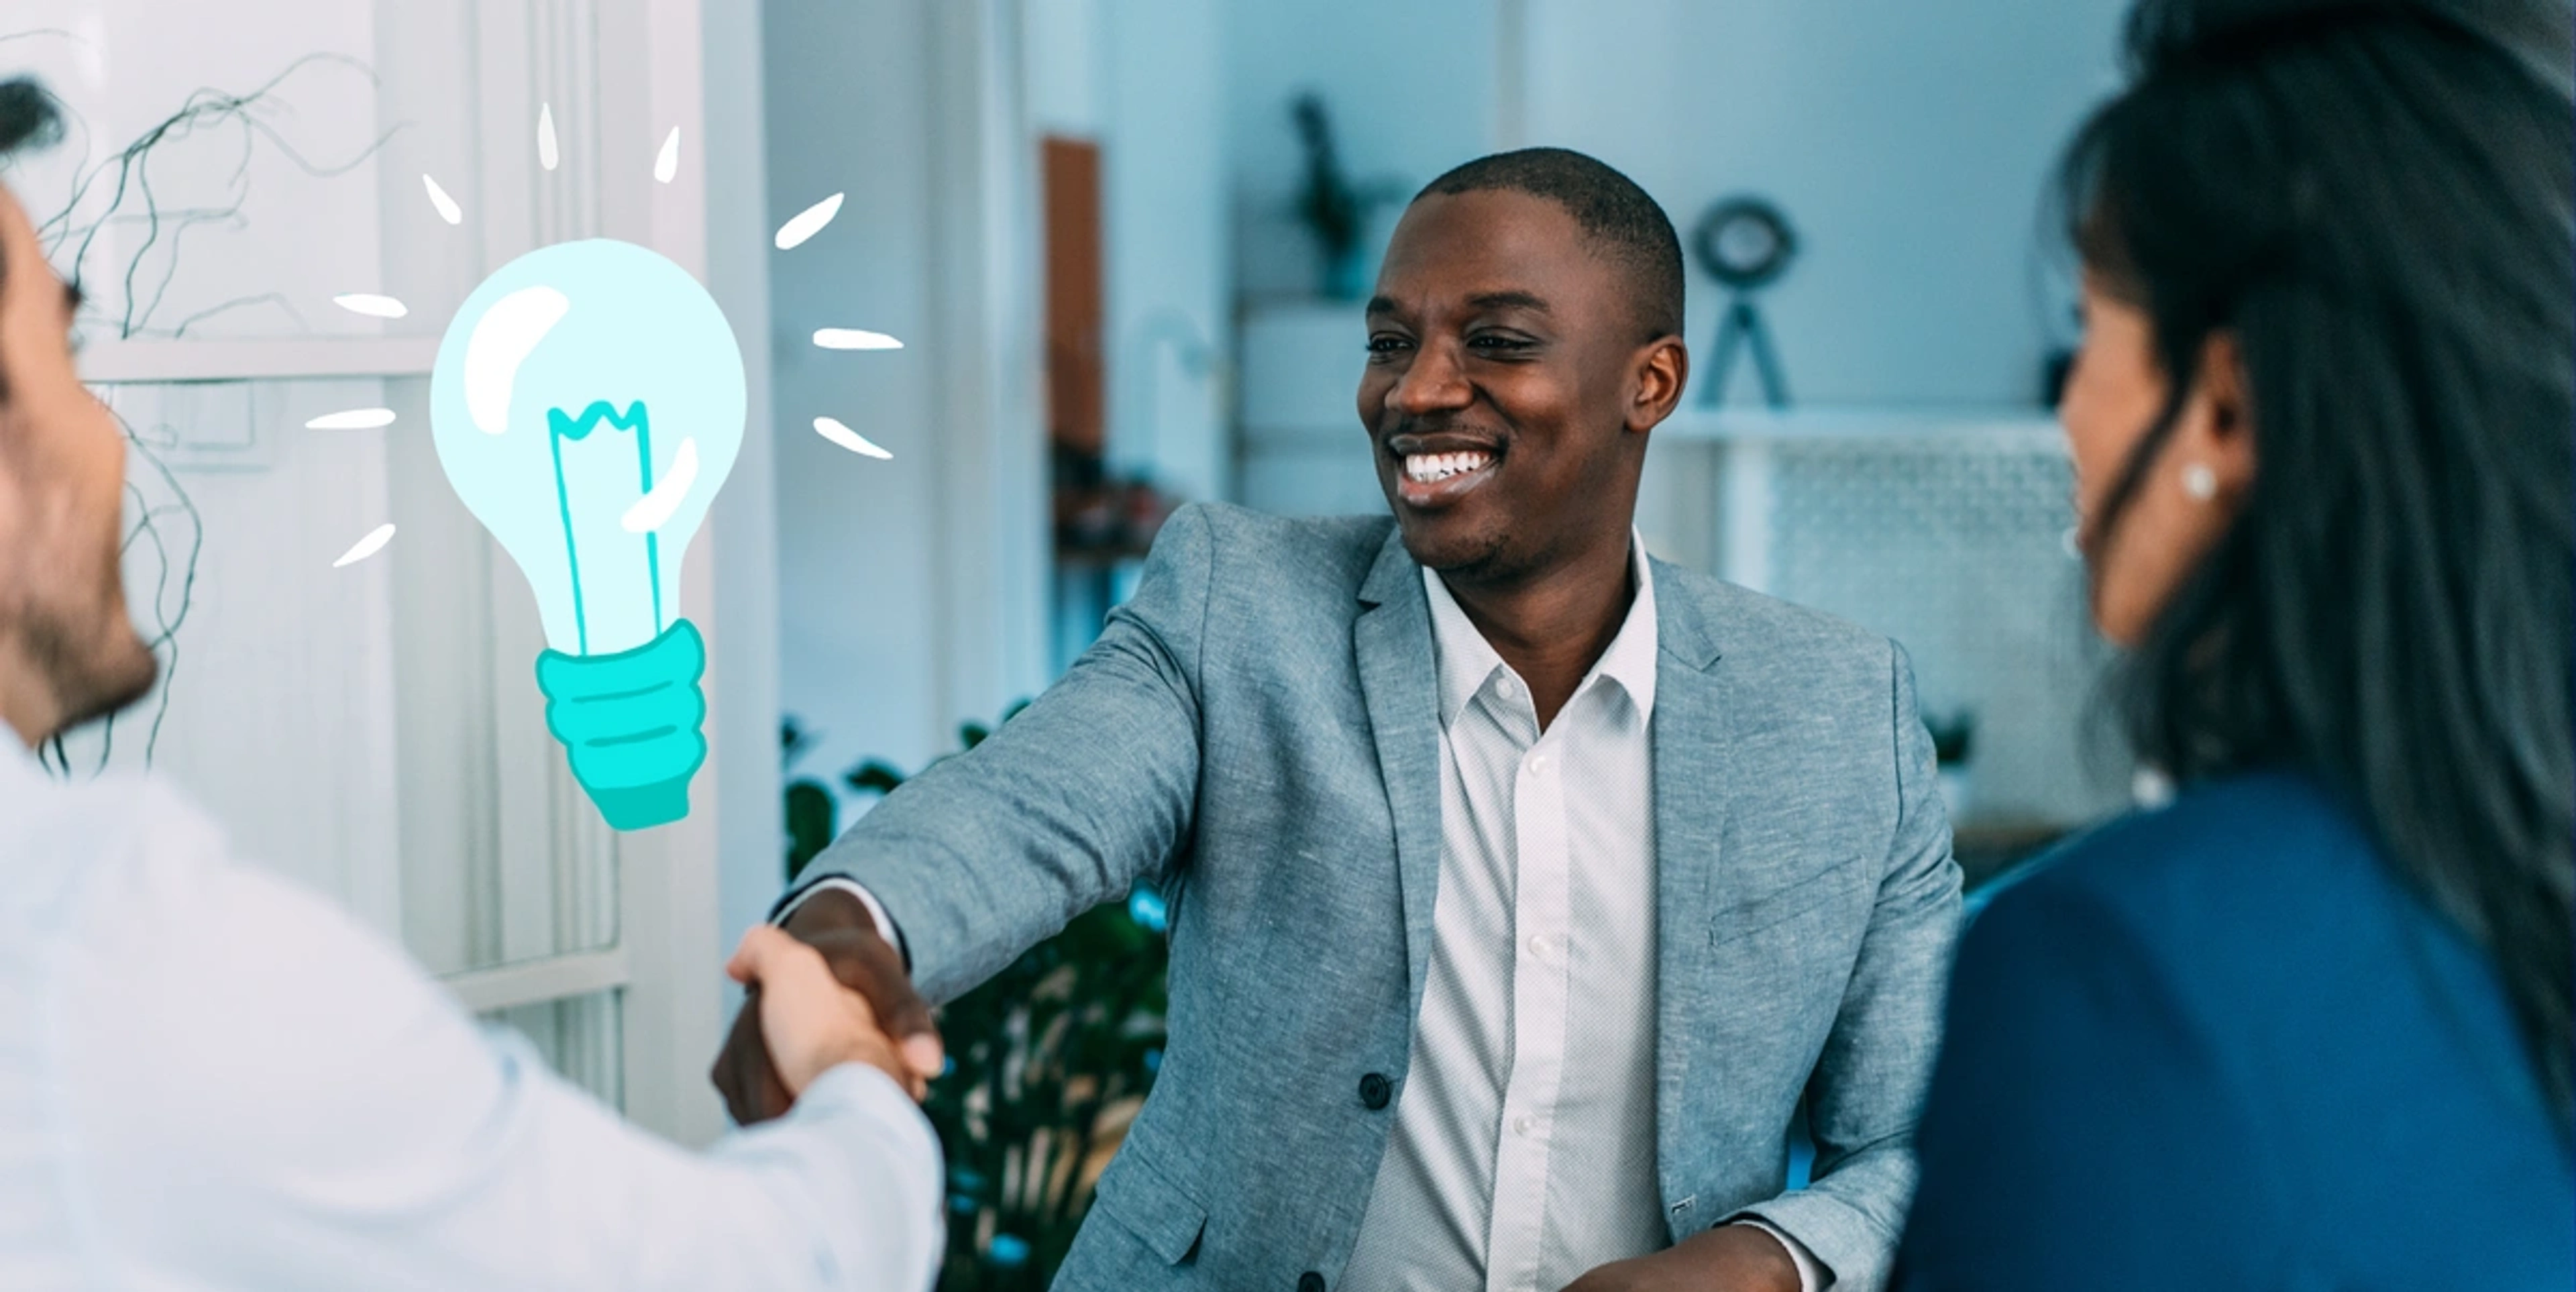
pixel 1510 301
pixel 1504 300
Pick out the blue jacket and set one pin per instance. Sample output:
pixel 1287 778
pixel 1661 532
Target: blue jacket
pixel 2223 1046
pixel 1259 726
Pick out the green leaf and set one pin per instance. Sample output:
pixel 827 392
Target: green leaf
pixel 811 815
pixel 880 777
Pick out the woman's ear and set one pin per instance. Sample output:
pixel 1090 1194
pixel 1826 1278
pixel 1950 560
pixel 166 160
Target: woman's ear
pixel 2227 427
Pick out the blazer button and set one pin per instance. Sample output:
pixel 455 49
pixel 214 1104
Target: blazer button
pixel 1310 1281
pixel 1375 1090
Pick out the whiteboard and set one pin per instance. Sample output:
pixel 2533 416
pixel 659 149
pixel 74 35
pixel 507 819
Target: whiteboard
pixel 218 174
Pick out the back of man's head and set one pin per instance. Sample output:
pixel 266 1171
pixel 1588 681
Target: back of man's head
pixel 1626 225
pixel 29 118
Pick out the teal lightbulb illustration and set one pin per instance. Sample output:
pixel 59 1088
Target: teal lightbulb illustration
pixel 587 404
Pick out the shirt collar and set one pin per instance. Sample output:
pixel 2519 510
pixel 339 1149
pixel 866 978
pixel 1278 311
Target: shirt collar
pixel 1468 662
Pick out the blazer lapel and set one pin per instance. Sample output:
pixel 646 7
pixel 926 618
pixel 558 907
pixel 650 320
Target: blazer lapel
pixel 1399 682
pixel 1691 790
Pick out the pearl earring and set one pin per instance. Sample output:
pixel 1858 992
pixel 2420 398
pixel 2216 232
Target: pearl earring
pixel 2199 481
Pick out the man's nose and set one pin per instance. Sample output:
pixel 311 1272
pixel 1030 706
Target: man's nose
pixel 1433 382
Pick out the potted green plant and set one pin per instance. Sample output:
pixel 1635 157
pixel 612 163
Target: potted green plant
pixel 1332 208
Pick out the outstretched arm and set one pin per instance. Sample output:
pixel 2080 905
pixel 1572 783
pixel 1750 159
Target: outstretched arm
pixel 253 1090
pixel 977 859
pixel 1066 805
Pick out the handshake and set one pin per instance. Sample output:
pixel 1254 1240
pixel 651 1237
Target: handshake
pixel 825 991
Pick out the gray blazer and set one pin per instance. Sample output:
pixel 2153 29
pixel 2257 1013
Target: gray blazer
pixel 1258 729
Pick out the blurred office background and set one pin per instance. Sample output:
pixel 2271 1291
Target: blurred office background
pixel 1092 224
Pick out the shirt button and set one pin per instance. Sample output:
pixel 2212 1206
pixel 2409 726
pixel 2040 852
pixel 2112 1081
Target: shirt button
pixel 1310 1281
pixel 1524 1124
pixel 1375 1090
pixel 1538 945
pixel 1510 689
pixel 1538 764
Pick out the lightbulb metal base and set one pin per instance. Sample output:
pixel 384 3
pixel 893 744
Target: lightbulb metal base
pixel 632 724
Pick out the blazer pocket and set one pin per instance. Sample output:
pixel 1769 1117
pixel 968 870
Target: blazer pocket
pixel 1781 905
pixel 1141 1198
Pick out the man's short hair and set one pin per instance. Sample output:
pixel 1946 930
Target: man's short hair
pixel 1626 226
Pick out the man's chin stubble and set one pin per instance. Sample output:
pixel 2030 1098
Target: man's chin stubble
pixel 94 680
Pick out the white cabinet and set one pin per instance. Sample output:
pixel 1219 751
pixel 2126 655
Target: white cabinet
pixel 1303 451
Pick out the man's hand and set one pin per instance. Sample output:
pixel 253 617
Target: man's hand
pixel 809 1022
pixel 1729 1258
pixel 837 927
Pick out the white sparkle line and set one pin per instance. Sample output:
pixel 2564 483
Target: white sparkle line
pixel 546 154
pixel 830 428
pixel 446 205
pixel 354 419
pixel 667 163
pixel 808 222
pixel 373 543
pixel 653 510
pixel 382 307
pixel 850 338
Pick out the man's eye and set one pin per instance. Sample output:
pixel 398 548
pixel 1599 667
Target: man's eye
pixel 1385 344
pixel 1499 344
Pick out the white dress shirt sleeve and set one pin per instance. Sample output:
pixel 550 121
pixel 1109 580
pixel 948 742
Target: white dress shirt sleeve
pixel 845 884
pixel 258 1092
pixel 1811 1275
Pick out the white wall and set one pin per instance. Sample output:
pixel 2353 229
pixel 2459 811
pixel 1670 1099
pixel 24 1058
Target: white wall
pixel 1907 144
pixel 847 101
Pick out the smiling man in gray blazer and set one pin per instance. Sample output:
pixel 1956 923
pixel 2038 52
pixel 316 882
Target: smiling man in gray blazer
pixel 1523 889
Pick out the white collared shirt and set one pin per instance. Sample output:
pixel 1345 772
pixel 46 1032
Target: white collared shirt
pixel 211 1080
pixel 1523 1153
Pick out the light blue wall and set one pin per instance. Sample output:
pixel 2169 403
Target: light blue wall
pixel 1410 85
pixel 1907 142
pixel 1170 285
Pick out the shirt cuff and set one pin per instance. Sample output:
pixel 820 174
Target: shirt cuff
pixel 843 883
pixel 1811 1274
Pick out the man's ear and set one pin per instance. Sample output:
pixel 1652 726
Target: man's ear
pixel 1662 370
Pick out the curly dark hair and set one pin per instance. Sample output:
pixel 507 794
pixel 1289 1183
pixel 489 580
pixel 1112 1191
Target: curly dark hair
pixel 29 117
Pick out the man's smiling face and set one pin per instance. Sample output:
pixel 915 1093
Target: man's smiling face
pixel 1508 391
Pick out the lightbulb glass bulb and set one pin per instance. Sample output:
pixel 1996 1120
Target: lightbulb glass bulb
pixel 582 386
pixel 587 405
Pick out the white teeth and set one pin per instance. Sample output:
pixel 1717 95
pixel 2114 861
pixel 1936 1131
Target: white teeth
pixel 1428 467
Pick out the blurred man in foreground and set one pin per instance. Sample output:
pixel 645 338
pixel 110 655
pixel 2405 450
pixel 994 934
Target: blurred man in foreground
pixel 209 1080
